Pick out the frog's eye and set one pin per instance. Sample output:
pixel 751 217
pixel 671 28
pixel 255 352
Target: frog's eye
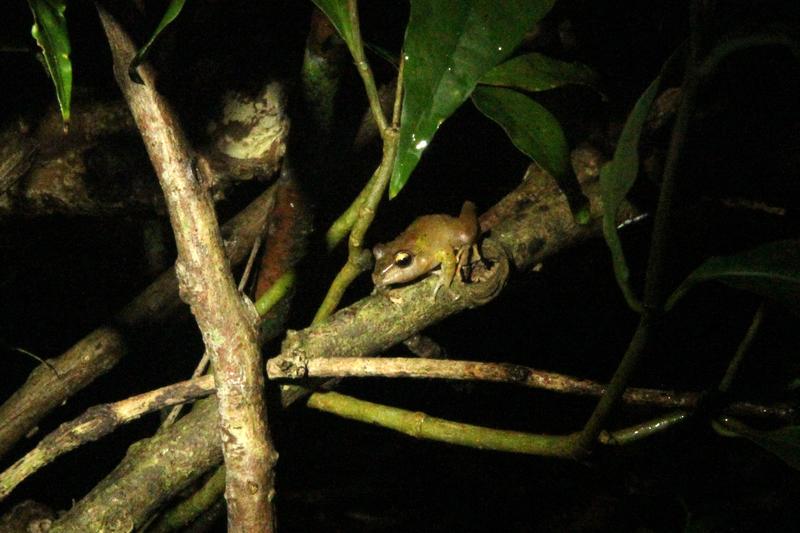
pixel 403 259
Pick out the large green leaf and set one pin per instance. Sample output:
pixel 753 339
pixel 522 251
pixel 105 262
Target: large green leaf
pixel 536 72
pixel 772 270
pixel 173 10
pixel 50 31
pixel 532 129
pixel 449 45
pixel 336 11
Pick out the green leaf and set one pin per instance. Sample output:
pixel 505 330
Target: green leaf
pixel 532 129
pixel 173 10
pixel 784 443
pixel 336 11
pixel 536 72
pixel 771 270
pixel 50 31
pixel 537 134
pixel 618 176
pixel 730 44
pixel 616 179
pixel 449 45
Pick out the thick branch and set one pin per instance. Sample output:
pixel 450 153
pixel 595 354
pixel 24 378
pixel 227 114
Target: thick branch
pixel 97 422
pixel 153 471
pixel 101 350
pixel 206 284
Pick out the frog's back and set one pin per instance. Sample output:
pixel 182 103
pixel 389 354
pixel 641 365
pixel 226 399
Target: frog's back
pixel 438 231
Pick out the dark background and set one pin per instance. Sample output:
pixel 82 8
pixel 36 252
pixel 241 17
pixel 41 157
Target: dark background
pixel 60 277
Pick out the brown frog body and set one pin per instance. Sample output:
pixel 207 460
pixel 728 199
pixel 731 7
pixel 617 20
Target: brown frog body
pixel 429 242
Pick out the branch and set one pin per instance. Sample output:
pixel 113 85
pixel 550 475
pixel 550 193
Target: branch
pixel 100 420
pixel 359 259
pixel 205 282
pixel 100 168
pixel 742 349
pixel 413 367
pixel 102 349
pixel 357 50
pixel 533 223
pixel 97 422
pixel 422 426
pixel 621 437
pixel 153 471
pixel 530 224
pixel 194 506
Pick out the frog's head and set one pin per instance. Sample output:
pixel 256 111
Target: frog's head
pixel 398 265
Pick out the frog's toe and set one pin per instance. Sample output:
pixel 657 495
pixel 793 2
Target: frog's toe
pixel 437 287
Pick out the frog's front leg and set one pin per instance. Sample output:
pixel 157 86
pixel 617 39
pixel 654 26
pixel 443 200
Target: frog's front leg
pixel 448 271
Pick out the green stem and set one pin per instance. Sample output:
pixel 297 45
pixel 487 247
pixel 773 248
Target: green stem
pixel 358 259
pixel 656 265
pixel 741 350
pixel 397 108
pixel 616 387
pixel 422 426
pixel 192 507
pixel 357 50
pixel 643 430
pixel 274 294
pixel 342 226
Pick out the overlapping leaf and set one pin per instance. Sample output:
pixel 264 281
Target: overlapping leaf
pixel 536 72
pixel 449 46
pixel 532 129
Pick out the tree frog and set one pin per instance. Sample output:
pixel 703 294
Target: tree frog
pixel 430 241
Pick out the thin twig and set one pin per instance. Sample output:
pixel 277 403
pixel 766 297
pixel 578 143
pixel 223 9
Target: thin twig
pixel 398 95
pixel 348 220
pixel 175 412
pixel 249 265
